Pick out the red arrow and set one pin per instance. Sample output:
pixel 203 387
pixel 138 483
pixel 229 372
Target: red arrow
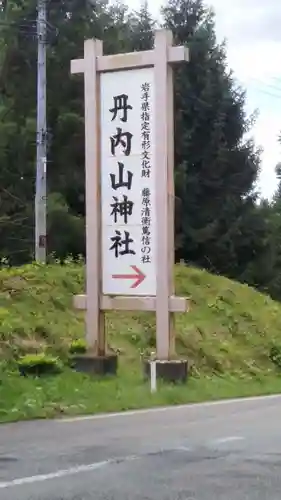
pixel 138 277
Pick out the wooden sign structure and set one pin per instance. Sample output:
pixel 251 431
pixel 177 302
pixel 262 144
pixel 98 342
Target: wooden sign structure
pixel 129 159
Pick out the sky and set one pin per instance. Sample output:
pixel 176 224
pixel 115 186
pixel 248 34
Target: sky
pixel 252 31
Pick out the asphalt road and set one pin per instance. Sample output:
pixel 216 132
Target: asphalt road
pixel 222 451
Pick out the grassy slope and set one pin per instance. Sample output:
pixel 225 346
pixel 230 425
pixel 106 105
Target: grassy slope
pixel 228 332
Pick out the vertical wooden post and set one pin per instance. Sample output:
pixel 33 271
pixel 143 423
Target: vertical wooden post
pixel 171 199
pixel 164 196
pixel 95 333
pixel 164 303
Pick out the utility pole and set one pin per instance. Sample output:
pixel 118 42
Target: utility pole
pixel 41 139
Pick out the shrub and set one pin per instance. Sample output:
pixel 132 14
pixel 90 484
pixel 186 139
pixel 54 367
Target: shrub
pixel 39 364
pixel 275 356
pixel 78 346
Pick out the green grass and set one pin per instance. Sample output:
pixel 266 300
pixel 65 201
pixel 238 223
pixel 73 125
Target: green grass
pixel 227 336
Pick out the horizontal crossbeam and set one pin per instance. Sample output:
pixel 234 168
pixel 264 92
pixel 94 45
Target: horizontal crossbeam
pixel 122 303
pixel 130 60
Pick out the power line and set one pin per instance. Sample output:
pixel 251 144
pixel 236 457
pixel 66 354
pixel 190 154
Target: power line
pixel 263 88
pixel 267 88
pixel 263 91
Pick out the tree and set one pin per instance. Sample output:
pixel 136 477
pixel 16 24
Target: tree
pixel 216 168
pixel 218 223
pixel 74 21
pixel 271 212
pixel 141 26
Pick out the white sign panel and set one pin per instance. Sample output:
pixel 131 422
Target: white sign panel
pixel 128 183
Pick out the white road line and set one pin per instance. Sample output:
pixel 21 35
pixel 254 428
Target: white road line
pixel 62 473
pixel 98 465
pixel 227 439
pixel 183 448
pixel 168 408
pixel 52 475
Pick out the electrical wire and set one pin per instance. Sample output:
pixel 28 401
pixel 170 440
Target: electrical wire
pixel 263 88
